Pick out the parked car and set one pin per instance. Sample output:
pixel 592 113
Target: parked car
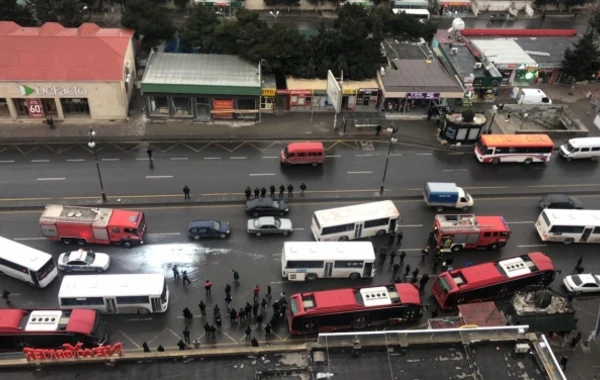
pixel 267 207
pixel 582 283
pixel 208 228
pixel 560 201
pixel 83 261
pixel 270 225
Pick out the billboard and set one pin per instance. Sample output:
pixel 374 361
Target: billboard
pixel 334 92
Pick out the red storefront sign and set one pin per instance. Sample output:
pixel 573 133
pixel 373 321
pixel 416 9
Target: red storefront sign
pixel 73 352
pixel 35 108
pixel 220 105
pixel 301 92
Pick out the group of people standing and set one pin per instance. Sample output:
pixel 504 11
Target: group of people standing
pixel 262 192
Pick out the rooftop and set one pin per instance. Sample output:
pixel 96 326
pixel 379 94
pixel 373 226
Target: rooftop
pixel 321 84
pixel 55 53
pixel 418 75
pixel 546 51
pixel 527 303
pixel 502 51
pixel 402 49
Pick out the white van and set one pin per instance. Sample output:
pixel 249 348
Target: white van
pixel 532 96
pixel 583 147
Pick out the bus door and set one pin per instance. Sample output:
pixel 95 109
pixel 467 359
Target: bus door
pixel 368 270
pixel 393 225
pixel 586 234
pixel 328 272
pixel 360 321
pixel 310 326
pixel 111 305
pixel 358 230
pixel 156 305
pixel 34 278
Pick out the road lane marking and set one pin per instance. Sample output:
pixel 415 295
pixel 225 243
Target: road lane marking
pixel 158 176
pixel 364 155
pixel 179 158
pixel 532 246
pixel 159 234
pixel 359 172
pixel 395 154
pixel 581 185
pixel 455 153
pixel 76 160
pixel 260 174
pixel 298 229
pixel 29 238
pixel 522 222
pixel 138 319
pixel 142 159
pixel 7 161
pixel 276 282
pixel 238 158
pixel 51 179
pixel 424 154
pixel 410 225
pixel 212 158
pixel 270 157
pixel 111 159
pixel 455 170
pixel 333 156
pixel 40 160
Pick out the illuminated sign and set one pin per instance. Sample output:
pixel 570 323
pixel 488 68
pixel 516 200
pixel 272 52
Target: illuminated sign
pixel 73 352
pixel 268 92
pixel 53 91
pixel 422 95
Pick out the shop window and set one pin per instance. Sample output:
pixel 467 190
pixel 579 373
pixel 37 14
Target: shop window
pixel 50 107
pixel 203 108
pixel 246 104
pixel 159 106
pixel 21 106
pixel 4 111
pixel 75 107
pixel 474 134
pixel 181 106
pixel 267 102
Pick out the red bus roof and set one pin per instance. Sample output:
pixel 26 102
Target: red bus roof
pixel 82 321
pixel 304 146
pixel 18 320
pixel 486 273
pixel 10 319
pixel 126 218
pixel 539 140
pixel 355 299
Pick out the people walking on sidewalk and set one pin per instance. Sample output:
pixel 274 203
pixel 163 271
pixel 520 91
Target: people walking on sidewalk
pixel 248 309
pixel 402 256
pixel 406 270
pixel 256 193
pixel 228 300
pixel 175 272
pixel 424 253
pixel 290 189
pixel 248 193
pixel 424 280
pixel 218 322
pixel 236 277
pixel 181 345
pixel 302 189
pixel 269 292
pixel 272 191
pixel 382 254
pixel 248 333
pixel 233 315
pixel 263 305
pixel 255 307
pixel 186 192
pixel 216 311
pixel 185 278
pixel 399 237
pixel 281 191
pixel 268 331
pixel 256 293
pixel 263 192
pixel 392 257
pixel 395 269
pixel 186 334
pixel 202 307
pixel 227 289
pixel 149 152
pixel 579 262
pixel 259 320
pixel 208 288
pixel 50 121
pixel 187 314
pixel 242 314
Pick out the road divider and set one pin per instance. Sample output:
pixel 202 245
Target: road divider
pixel 51 179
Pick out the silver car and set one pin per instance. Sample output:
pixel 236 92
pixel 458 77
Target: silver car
pixel 269 225
pixel 83 261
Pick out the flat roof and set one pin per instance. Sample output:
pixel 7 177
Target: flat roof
pixel 321 84
pixel 217 70
pixel 463 61
pixel 546 51
pixel 403 49
pixel 357 213
pixel 502 51
pixel 417 75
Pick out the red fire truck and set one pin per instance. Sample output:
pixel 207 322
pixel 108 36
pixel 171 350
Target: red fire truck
pixel 468 231
pixel 85 225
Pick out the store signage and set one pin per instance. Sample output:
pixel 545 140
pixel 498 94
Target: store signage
pixel 73 352
pixel 54 91
pixel 348 91
pixel 268 92
pixel 35 108
pixel 528 67
pixel 422 95
pixel 301 92
pixel 367 90
pixel 223 105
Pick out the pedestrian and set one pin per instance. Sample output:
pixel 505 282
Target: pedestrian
pixel 290 189
pixel 256 193
pixel 248 193
pixel 302 189
pixel 254 342
pixel 579 262
pixel 274 320
pixel 468 263
pixel 233 315
pixel 255 307
pixel 575 340
pixel 256 292
pixel 402 256
pixel 181 345
pixel 563 363
pixel 216 311
pixel 543 16
pixel 570 297
pixel 434 313
pixel 149 152
pixel 398 280
pixel 248 334
pixel 282 310
pixel 424 281
pixel 186 192
pixel 263 192
pixel 213 331
pixel 392 257
pixel 432 235
pixel 228 300
pixel 259 320
pixel 268 331
pixel 263 305
pixel 206 330
pixel 196 343
pixel 392 239
pixel 218 322
pixel 424 252
pixel 208 288
pixel 382 254
pixel 242 314
pixel 268 292
pixel 175 272
pixel 185 278
pixel 395 269
pixel 202 307
pixel 227 289
pixel 187 314
pixel 407 270
pixel 272 191
pixel 160 348
pixel 236 277
pixel 145 347
pixel 399 238
pixel 50 122
pixel 275 307
pixel 377 130
pixel 5 296
pixel 281 191
pixel 186 334
pixel 436 261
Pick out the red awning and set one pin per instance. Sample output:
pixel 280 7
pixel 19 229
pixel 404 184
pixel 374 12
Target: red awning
pixel 520 32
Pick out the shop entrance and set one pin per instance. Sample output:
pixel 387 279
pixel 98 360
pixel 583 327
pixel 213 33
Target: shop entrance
pixel 4 111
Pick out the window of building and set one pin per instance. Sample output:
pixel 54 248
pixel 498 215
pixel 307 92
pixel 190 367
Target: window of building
pixel 267 102
pixel 4 111
pixel 159 106
pixel 181 106
pixel 75 107
pixel 21 106
pixel 246 104
pixel 50 107
pixel 203 108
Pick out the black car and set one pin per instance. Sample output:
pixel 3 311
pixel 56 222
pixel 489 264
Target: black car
pixel 267 207
pixel 208 228
pixel 560 201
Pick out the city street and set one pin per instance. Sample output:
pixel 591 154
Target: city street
pixel 258 261
pixel 213 169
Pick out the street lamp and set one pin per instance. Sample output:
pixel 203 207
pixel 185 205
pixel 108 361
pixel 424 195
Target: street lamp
pixel 523 122
pixel 83 9
pixel 276 14
pixel 494 112
pixel 92 145
pixel 393 139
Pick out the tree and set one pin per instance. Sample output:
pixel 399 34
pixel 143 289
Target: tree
pixel 149 20
pixel 181 3
pixel 468 115
pixel 69 13
pixel 200 29
pixel 11 11
pixel 583 61
pixel 594 22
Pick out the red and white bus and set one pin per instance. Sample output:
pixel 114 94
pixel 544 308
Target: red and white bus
pixel 353 308
pixel 21 328
pixel 514 148
pixel 466 231
pixel 493 280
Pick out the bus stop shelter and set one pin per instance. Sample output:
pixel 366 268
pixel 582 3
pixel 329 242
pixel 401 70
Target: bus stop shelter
pixel 363 119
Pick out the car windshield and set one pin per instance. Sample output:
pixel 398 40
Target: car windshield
pixel 89 258
pixel 275 204
pixel 256 222
pixel 569 147
pixel 277 223
pixel 216 225
pixel 576 280
pixel 65 258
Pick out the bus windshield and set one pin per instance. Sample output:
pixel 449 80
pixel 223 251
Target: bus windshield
pixel 444 285
pixel 293 306
pixel 46 269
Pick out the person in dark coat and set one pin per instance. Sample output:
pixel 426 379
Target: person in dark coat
pixel 256 193
pixel 248 193
pixel 233 315
pixel 302 189
pixel 268 331
pixel 290 189
pixel 263 192
pixel 187 314
pixel 254 342
pixel 281 191
pixel 181 345
pixel 145 347
pixel 160 348
pixel 186 192
pixel 272 191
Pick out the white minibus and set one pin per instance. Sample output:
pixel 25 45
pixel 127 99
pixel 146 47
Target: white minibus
pixel 569 226
pixel 581 148
pixel 26 264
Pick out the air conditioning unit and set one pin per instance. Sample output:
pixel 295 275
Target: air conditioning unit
pixel 478 65
pixel 454 51
pixel 521 348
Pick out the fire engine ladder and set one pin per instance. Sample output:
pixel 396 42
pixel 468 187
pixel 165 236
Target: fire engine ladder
pixel 460 222
pixel 77 219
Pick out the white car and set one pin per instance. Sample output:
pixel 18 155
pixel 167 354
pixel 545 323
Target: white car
pixel 83 261
pixel 582 283
pixel 269 225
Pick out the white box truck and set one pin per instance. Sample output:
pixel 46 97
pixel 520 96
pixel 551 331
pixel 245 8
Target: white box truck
pixel 532 96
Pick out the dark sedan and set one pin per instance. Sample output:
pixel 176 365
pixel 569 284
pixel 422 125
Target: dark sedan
pixel 267 207
pixel 560 201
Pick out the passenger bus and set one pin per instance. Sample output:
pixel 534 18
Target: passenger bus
pixel 311 260
pixel 493 280
pixel 21 328
pixel 355 222
pixel 26 264
pixel 514 148
pixel 420 14
pixel 115 293
pixel 569 226
pixel 353 308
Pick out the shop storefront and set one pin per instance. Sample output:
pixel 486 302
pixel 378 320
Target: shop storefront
pixel 211 87
pixel 451 8
pixel 409 4
pixel 223 8
pixel 514 64
pixel 65 88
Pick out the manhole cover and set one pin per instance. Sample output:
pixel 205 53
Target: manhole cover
pixel 366 146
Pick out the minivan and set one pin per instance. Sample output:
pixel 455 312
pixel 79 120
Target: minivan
pixel 582 147
pixel 303 153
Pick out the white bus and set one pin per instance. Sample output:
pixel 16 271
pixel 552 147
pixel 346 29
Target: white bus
pixel 26 264
pixel 569 226
pixel 311 260
pixel 115 293
pixel 355 222
pixel 420 14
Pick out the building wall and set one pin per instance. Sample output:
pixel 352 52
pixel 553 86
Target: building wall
pixel 128 86
pixel 497 5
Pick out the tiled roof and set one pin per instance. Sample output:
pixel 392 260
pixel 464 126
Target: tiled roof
pixel 55 53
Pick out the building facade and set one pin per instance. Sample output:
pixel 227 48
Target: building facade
pixel 74 74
